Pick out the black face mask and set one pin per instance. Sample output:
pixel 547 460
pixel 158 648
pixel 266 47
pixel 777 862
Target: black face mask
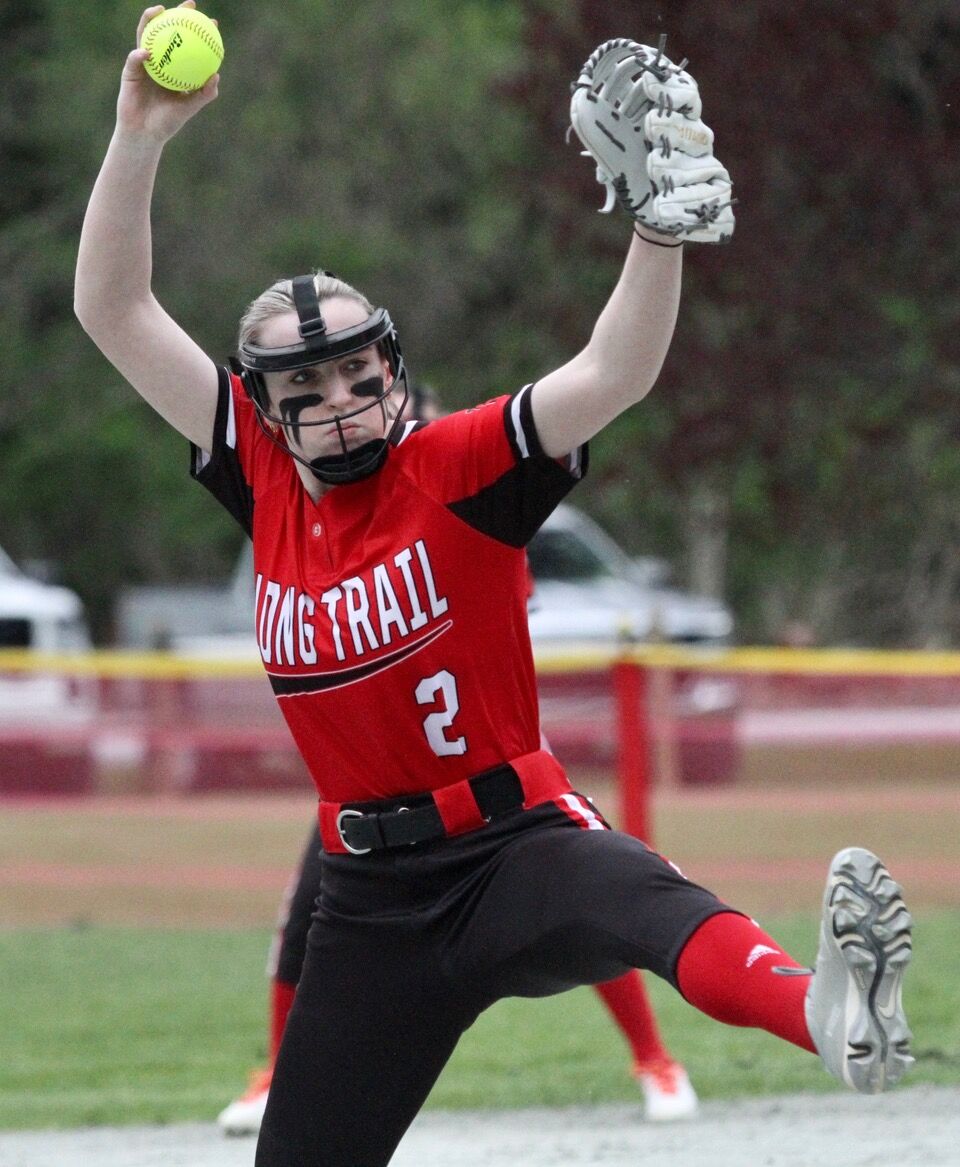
pixel 316 347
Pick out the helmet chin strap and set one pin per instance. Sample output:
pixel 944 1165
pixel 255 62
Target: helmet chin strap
pixel 352 466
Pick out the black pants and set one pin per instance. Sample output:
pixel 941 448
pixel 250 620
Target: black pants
pixel 408 947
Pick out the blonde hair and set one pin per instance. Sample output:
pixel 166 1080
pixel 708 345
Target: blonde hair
pixel 277 300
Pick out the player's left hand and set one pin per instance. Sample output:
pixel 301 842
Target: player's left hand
pixel 638 115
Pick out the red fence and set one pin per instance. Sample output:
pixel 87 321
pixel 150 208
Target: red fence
pixel 154 723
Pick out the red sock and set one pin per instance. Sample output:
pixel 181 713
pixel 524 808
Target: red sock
pixel 626 998
pixel 281 999
pixel 726 970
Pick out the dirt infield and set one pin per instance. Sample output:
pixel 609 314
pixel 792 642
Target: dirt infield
pixel 906 1128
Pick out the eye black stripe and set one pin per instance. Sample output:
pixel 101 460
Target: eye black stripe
pixel 371 387
pixel 292 407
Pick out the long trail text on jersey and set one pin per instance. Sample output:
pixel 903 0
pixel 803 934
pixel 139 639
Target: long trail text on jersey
pixel 356 617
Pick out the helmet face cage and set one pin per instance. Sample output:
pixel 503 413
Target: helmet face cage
pixel 317 346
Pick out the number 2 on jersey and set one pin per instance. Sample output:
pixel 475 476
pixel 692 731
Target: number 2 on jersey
pixel 435 724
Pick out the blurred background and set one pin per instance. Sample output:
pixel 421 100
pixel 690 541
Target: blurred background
pixel 791 487
pixel 799 458
pixel 773 537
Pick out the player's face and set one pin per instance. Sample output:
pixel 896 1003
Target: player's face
pixel 328 390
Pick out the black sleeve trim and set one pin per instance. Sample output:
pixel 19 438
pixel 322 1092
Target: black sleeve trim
pixel 514 508
pixel 219 469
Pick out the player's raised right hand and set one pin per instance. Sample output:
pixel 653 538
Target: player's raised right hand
pixel 145 108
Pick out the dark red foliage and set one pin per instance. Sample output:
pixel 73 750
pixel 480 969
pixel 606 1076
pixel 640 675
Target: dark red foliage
pixel 839 124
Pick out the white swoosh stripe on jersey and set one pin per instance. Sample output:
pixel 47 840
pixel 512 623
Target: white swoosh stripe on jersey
pixel 518 433
pixel 579 808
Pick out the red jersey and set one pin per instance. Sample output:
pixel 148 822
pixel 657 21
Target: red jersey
pixel 391 616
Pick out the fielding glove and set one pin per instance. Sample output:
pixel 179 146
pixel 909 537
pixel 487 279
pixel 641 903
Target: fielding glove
pixel 638 115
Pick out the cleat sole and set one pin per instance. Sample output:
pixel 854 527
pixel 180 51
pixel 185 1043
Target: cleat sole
pixel 855 1013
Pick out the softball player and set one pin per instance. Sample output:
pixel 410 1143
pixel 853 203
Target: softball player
pixel 459 866
pixel 664 1083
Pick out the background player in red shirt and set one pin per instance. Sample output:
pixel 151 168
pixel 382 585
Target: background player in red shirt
pixel 459 866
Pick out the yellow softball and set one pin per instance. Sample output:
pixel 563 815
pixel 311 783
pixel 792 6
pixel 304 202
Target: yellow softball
pixel 185 49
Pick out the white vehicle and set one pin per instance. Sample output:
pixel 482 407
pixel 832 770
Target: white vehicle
pixel 38 615
pixel 589 591
pixel 590 595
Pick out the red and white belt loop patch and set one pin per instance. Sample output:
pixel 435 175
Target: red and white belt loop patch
pixel 581 812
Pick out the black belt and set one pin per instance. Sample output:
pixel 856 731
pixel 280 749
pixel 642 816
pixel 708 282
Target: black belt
pixel 376 826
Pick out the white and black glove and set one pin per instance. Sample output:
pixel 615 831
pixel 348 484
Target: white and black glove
pixel 638 115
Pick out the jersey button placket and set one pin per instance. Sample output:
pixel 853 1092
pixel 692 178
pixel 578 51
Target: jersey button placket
pixel 317 542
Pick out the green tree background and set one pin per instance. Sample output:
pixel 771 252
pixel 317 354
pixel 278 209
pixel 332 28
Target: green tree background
pixel 800 454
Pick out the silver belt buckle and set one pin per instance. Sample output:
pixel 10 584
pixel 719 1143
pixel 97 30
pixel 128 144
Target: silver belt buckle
pixel 350 814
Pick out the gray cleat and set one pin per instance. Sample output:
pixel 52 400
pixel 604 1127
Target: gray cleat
pixel 853 1007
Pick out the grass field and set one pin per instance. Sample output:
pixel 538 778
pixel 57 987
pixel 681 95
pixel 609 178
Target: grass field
pixel 119 1025
pixel 134 938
